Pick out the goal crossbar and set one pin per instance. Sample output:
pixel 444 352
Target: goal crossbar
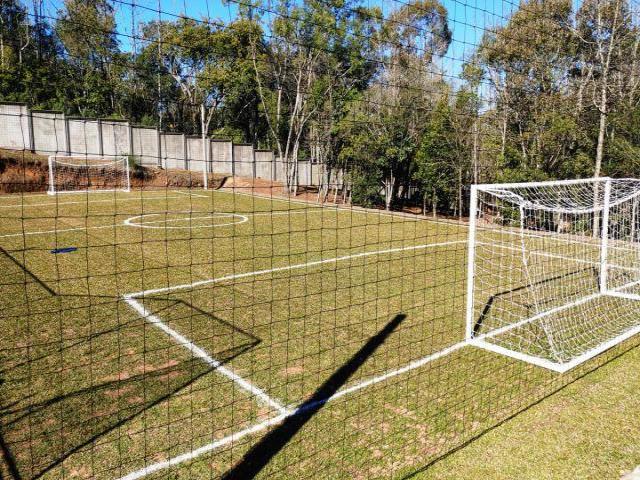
pixel 83 173
pixel 553 269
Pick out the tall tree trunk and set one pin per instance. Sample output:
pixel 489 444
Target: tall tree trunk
pixel 601 131
pixel 434 203
pixel 474 159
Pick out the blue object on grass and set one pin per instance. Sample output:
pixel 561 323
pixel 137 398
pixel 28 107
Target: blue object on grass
pixel 64 250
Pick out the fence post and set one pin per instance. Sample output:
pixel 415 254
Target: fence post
pixel 130 135
pixel 274 167
pixel 185 158
pixel 255 166
pixel 32 141
pixel 100 139
pixel 233 160
pixel 67 134
pixel 159 146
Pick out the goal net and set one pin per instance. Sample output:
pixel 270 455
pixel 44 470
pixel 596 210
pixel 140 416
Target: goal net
pixel 554 269
pixel 68 174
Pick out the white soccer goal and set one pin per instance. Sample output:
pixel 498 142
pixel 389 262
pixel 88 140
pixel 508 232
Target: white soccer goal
pixel 75 174
pixel 554 269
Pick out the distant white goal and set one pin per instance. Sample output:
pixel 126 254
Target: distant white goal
pixel 554 269
pixel 71 174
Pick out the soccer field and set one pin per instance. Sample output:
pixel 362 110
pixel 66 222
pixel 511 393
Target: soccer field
pixel 163 334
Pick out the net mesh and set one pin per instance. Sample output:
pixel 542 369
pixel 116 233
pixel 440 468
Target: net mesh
pixel 550 262
pixel 282 291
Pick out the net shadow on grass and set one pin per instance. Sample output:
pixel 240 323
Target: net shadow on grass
pixel 88 414
pixel 512 292
pixel 85 416
pixel 39 432
pixel 7 457
pixel 168 308
pixel 616 353
pixel 273 442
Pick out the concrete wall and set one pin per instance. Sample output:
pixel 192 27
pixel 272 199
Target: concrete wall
pixel 264 164
pixel 52 136
pixel 304 173
pixel 145 146
pixel 173 151
pixel 115 137
pixel 243 161
pixel 15 126
pixel 84 136
pixel 195 154
pixel 221 156
pixel 50 133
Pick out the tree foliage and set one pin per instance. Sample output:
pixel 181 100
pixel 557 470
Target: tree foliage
pixel 551 92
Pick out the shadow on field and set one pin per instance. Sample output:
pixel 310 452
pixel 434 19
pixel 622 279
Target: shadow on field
pixel 519 296
pixel 68 378
pixel 56 428
pixel 273 442
pixel 175 311
pixel 8 460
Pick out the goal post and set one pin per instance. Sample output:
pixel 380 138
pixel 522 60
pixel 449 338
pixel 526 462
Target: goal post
pixel 553 274
pixel 78 174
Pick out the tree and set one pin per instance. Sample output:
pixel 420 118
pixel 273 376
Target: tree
pixel 311 52
pixel 608 42
pixel 527 63
pixel 437 158
pixel 388 120
pixel 31 69
pixel 87 30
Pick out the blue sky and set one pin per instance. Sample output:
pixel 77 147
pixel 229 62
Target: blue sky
pixel 467 19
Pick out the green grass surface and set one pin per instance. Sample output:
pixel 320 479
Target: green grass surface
pixel 289 293
pixel 588 430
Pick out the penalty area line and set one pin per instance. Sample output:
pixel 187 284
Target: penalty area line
pixel 285 412
pixel 202 354
pixel 189 194
pixel 259 427
pixel 296 266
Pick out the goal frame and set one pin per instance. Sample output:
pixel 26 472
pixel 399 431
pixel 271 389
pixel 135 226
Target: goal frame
pixel 52 158
pixel 480 340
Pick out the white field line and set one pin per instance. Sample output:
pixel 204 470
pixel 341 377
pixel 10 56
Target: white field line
pixel 258 427
pixel 201 353
pixel 60 230
pixel 8 196
pixel 185 457
pixel 189 194
pixel 243 218
pixel 130 224
pixel 559 257
pixel 163 223
pixel 523 357
pixel 284 268
pixel 285 412
pixel 110 200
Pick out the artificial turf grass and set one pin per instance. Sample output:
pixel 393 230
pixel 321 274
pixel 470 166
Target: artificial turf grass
pixel 285 331
pixel 587 430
